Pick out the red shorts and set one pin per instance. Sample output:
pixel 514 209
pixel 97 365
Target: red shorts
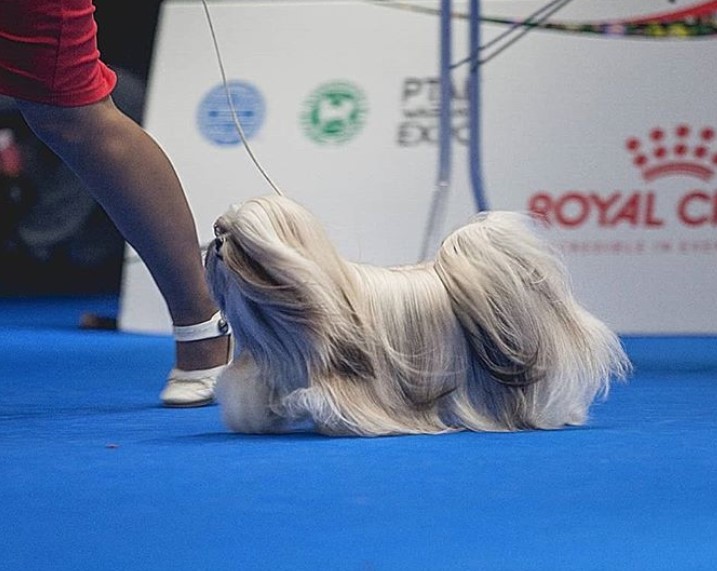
pixel 48 53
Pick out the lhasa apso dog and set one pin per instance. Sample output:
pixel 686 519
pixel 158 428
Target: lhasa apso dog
pixel 488 336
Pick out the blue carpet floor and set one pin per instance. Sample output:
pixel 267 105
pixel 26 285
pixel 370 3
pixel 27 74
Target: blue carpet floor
pixel 96 476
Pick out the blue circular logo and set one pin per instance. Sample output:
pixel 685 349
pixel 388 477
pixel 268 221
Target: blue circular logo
pixel 214 115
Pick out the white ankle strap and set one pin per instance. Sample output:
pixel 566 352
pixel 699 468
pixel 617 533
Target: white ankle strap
pixel 217 326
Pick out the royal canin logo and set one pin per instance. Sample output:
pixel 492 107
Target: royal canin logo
pixel 681 150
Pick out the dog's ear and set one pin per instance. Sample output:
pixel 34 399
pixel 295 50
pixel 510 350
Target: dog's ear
pixel 250 270
pixel 275 251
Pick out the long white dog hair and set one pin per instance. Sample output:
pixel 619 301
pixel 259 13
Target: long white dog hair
pixel 488 336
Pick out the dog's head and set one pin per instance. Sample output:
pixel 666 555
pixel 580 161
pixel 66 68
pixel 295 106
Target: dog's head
pixel 268 248
pixel 278 279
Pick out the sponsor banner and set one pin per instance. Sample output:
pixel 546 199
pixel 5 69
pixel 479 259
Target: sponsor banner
pixel 608 133
pixel 600 120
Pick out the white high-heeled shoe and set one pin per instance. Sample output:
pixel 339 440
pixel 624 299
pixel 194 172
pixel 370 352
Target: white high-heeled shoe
pixel 195 388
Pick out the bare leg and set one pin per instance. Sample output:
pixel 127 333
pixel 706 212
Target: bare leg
pixel 132 178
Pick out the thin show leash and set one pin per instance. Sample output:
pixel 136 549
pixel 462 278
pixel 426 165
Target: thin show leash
pixel 230 102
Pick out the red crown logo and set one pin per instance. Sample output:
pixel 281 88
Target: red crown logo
pixel 682 151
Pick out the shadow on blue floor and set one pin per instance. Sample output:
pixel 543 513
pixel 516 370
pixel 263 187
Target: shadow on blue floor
pixel 97 476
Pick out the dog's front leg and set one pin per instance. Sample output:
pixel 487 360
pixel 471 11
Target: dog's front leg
pixel 244 395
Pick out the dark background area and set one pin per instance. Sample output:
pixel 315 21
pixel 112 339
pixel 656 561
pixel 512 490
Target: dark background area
pixel 54 238
pixel 126 33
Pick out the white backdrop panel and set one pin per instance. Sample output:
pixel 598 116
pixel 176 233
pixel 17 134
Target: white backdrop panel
pixel 558 110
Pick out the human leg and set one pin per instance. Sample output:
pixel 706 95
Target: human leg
pixel 132 178
pixel 49 62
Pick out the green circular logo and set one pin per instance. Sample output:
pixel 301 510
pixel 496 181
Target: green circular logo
pixel 334 113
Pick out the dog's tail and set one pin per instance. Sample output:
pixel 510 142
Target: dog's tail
pixel 541 358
